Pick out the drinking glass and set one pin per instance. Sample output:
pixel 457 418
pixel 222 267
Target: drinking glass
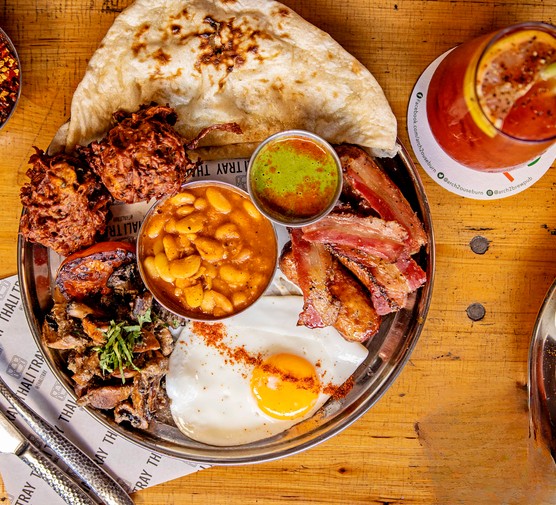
pixel 491 103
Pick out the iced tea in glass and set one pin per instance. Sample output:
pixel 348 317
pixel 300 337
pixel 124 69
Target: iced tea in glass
pixel 491 103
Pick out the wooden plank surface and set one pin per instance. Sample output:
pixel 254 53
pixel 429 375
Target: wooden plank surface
pixel 453 429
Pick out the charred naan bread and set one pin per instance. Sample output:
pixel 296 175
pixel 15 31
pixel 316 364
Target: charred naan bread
pixel 252 62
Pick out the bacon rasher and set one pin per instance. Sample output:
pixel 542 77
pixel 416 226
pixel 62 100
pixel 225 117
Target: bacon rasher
pixel 354 266
pixel 341 298
pixel 313 268
pixel 373 235
pixel 364 179
pixel 388 283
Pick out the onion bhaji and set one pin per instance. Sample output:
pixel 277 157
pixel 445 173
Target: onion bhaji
pixel 65 203
pixel 142 156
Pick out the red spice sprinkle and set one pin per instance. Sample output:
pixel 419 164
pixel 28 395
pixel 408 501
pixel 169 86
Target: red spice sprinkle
pixel 213 335
pixel 338 392
pixel 307 383
pixel 9 79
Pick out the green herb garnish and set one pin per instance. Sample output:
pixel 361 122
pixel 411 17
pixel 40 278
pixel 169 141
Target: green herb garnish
pixel 144 318
pixel 117 351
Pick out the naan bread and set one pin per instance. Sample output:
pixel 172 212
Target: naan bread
pixel 253 62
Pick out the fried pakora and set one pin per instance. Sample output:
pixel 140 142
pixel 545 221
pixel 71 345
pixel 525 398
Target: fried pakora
pixel 142 156
pixel 65 203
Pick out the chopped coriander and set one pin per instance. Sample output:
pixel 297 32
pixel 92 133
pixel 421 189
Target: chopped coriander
pixel 144 318
pixel 117 351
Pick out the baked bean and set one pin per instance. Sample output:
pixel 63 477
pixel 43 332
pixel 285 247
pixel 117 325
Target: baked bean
pixel 252 210
pixel 210 270
pixel 257 280
pixel 218 201
pixel 150 267
pixel 243 255
pixel 185 244
pixel 186 267
pixel 226 231
pixel 200 204
pixel 221 301
pixel 158 245
pixel 190 224
pixel 208 250
pixel 170 247
pixel 194 295
pixel 185 210
pixel 185 282
pixel 163 267
pixel 183 198
pixel 241 219
pixel 170 226
pixel 220 285
pixel 239 298
pixel 233 276
pixel 208 303
pixel 156 225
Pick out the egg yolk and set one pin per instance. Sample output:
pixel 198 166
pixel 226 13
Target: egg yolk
pixel 285 386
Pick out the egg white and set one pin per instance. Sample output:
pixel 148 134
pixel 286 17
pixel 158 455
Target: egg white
pixel 211 398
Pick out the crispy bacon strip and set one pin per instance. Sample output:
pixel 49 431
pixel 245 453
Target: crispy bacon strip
pixel 356 318
pixel 312 265
pixel 386 298
pixel 372 235
pixel 414 274
pixel 366 180
pixel 388 283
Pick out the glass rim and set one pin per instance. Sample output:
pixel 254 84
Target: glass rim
pixel 495 37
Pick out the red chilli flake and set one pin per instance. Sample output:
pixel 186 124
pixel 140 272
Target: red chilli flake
pixel 9 80
pixel 213 335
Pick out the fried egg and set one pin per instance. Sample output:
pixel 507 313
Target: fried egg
pixel 255 374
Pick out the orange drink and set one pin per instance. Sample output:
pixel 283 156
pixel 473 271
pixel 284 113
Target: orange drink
pixel 491 103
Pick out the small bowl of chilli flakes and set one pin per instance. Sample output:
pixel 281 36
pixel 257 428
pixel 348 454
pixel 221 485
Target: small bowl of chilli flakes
pixel 10 78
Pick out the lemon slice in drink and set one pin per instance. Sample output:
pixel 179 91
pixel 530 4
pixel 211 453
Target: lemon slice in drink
pixel 506 72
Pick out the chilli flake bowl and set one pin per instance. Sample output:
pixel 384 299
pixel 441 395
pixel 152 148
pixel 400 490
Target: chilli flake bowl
pixel 10 78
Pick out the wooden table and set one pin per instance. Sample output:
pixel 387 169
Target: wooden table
pixel 453 429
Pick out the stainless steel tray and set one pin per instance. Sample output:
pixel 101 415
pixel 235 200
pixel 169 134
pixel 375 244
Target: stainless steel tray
pixel 389 350
pixel 542 374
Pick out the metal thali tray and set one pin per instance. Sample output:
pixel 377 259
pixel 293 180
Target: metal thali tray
pixel 389 351
pixel 542 374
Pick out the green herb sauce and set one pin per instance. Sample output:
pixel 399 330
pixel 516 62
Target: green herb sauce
pixel 294 178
